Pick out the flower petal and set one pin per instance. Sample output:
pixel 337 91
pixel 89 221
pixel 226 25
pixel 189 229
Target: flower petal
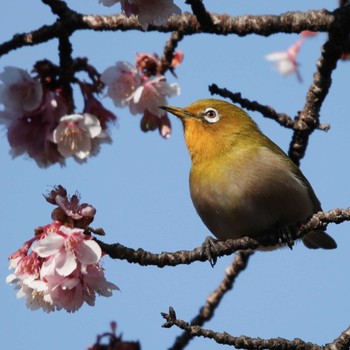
pixel 89 252
pixel 49 245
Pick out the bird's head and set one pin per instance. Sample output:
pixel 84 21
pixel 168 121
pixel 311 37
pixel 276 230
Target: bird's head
pixel 211 125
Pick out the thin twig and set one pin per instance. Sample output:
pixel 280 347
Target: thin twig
pixel 242 342
pixel 267 111
pixel 239 264
pixel 169 50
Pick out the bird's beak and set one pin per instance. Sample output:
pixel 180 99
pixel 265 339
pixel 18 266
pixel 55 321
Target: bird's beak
pixel 177 111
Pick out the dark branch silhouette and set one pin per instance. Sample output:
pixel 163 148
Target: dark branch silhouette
pixel 238 265
pixel 242 342
pixel 220 248
pixel 308 118
pixel 289 22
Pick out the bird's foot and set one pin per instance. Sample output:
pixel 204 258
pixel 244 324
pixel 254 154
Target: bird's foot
pixel 285 236
pixel 208 247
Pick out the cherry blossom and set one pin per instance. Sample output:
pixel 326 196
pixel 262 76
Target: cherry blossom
pixel 148 64
pixel 36 115
pixel 286 61
pixel 74 133
pixel 59 268
pixel 143 89
pixel 151 94
pixel 19 91
pixel 30 132
pixel 95 107
pixel 165 126
pixel 69 211
pixel 121 80
pixel 177 58
pixel 154 12
pixel 150 122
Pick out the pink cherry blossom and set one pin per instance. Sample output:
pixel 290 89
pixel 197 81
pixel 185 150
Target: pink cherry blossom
pixel 121 80
pixel 150 122
pixel 143 89
pixel 148 64
pixel 154 12
pixel 62 271
pixel 286 61
pixel 165 127
pixel 74 133
pixel 95 107
pixel 177 58
pixel 151 94
pixel 19 91
pixel 69 247
pixel 30 132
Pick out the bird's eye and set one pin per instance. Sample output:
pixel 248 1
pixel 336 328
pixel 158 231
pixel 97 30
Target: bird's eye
pixel 211 115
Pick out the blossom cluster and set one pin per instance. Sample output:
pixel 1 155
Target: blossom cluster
pixel 143 89
pixel 154 12
pixel 286 61
pixel 38 121
pixel 59 268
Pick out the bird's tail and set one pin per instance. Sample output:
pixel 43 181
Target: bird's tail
pixel 319 239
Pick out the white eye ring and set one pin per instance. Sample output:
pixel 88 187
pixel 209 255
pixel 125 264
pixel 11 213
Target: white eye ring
pixel 211 115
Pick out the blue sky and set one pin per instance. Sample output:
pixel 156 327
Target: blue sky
pixel 139 185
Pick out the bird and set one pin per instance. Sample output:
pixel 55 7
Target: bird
pixel 241 182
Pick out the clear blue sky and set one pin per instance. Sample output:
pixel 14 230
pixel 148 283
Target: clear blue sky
pixel 139 186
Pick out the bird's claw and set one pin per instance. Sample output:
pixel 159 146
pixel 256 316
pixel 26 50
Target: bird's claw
pixel 208 247
pixel 285 237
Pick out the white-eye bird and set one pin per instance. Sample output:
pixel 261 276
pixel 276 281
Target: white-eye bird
pixel 241 183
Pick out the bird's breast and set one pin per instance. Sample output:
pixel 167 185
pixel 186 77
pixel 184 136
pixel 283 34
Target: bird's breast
pixel 246 194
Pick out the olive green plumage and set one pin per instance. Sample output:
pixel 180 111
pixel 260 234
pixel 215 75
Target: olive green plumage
pixel 241 183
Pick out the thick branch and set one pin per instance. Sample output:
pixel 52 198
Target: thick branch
pixel 66 70
pixel 290 22
pixel 242 342
pixel 221 248
pixel 341 343
pixel 239 264
pixel 308 119
pixel 58 7
pixel 203 17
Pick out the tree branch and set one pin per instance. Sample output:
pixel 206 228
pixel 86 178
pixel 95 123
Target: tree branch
pixel 221 248
pixel 242 342
pixel 308 119
pixel 341 343
pixel 289 22
pixel 58 7
pixel 267 111
pixel 239 264
pixel 203 17
pixel 169 50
